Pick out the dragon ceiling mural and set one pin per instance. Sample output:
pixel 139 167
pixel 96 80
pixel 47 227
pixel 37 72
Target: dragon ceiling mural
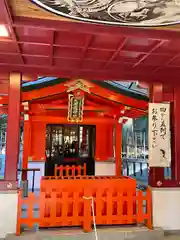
pixel 117 12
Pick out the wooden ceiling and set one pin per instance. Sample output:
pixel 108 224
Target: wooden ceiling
pixel 44 44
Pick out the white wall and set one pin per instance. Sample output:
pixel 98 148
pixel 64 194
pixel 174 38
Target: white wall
pixel 38 175
pixel 166 208
pixel 8 212
pixel 105 169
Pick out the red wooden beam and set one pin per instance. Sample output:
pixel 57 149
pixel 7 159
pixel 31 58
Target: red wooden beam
pixel 115 112
pixel 54 99
pixel 89 74
pixel 63 120
pixel 103 101
pixel 52 48
pixel 86 108
pixel 92 103
pixel 89 111
pixel 63 100
pixel 63 113
pixel 88 28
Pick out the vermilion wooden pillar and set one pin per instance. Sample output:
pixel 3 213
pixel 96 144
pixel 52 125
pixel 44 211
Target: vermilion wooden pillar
pixel 176 136
pixel 156 174
pixel 118 148
pixel 13 132
pixel 110 142
pixel 101 142
pixel 26 144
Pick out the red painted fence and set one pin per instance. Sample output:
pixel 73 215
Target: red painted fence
pixel 61 203
pixel 70 171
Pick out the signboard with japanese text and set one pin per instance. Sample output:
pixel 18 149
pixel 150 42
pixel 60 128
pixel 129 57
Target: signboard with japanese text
pixel 75 108
pixel 159 135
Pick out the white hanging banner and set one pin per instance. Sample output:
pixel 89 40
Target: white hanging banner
pixel 159 135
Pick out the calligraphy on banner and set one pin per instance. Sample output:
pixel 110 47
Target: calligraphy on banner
pixel 75 107
pixel 159 135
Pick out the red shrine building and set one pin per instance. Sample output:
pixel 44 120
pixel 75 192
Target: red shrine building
pixel 99 126
pixel 72 139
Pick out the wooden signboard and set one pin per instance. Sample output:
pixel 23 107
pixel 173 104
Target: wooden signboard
pixel 75 108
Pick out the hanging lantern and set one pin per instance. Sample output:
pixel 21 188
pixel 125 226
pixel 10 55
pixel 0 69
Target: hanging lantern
pixel 75 106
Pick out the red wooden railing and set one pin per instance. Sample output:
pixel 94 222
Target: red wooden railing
pixel 69 171
pixel 116 201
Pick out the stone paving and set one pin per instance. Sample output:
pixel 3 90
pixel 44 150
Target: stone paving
pixel 132 233
pixel 172 236
pixel 112 233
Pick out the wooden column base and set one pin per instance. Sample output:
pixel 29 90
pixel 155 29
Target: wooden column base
pixel 8 185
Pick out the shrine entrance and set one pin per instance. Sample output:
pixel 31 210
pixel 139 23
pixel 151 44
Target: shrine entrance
pixel 70 145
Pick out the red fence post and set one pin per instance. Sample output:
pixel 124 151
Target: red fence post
pixel 130 206
pixel 42 208
pixel 61 171
pixel 79 170
pixel 73 171
pixel 70 171
pixel 84 169
pixel 149 208
pixel 139 210
pixel 67 170
pixel 87 222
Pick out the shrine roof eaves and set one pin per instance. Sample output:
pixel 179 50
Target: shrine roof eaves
pixel 51 81
pixel 122 90
pixel 42 83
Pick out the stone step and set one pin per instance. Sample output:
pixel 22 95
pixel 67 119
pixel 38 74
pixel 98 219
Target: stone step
pixel 111 233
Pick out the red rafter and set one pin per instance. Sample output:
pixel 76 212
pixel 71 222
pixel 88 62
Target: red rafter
pixel 100 100
pixel 121 45
pixel 92 103
pixel 167 63
pixel 88 43
pixel 147 55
